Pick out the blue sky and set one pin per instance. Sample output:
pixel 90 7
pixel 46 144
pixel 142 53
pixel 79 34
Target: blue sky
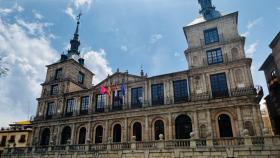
pixel 122 34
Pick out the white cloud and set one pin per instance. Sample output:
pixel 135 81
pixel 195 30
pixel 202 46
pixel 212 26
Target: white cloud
pixel 251 49
pixel 255 22
pixel 177 54
pixel 14 8
pixel 33 28
pixel 155 37
pixel 26 57
pixel 245 34
pixel 97 63
pixel 69 11
pixel 124 48
pixel 75 6
pixel 37 15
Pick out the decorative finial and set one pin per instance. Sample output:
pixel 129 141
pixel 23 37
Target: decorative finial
pixel 208 10
pixel 142 71
pixel 75 42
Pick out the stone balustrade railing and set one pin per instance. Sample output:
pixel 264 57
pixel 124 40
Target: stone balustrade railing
pixel 161 144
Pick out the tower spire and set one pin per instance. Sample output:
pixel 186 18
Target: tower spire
pixel 75 42
pixel 208 11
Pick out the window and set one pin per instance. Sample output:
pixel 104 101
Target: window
pixel 117 133
pixel 100 102
pixel 214 56
pixel 211 36
pixel 84 105
pixel 180 90
pixel 50 110
pixel 58 74
pixel 136 97
pixel 98 135
pixel 65 135
pixel 54 89
pixel 183 127
pixel 45 137
pixel 137 131
pixel 22 139
pixel 3 141
pixel 219 85
pixel 70 107
pixel 159 129
pixel 12 139
pixel 81 77
pixel 118 101
pixel 157 94
pixel 82 135
pixel 225 126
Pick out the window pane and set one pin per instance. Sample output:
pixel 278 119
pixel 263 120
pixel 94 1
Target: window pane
pixel 136 97
pixel 100 102
pixel 58 74
pixel 81 77
pixel 50 110
pixel 180 90
pixel 219 85
pixel 84 105
pixel 214 56
pixel 157 94
pixel 70 107
pixel 211 36
pixel 118 101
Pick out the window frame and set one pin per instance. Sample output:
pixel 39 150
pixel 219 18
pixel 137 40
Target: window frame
pixel 182 92
pixel 211 36
pixel 100 105
pixel 118 101
pixel 219 90
pixel 53 90
pixel 81 77
pixel 84 105
pixel 58 74
pixel 157 93
pixel 136 93
pixel 50 112
pixel 214 56
pixel 70 107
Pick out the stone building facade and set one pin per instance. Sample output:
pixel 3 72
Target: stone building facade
pixel 271 68
pixel 193 113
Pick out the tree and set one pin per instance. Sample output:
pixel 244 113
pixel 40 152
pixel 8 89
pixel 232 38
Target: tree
pixel 3 69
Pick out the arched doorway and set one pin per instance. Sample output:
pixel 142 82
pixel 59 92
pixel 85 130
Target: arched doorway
pixel 159 129
pixel 225 127
pixel 137 131
pixel 183 127
pixel 98 134
pixel 45 137
pixel 82 135
pixel 65 135
pixel 117 133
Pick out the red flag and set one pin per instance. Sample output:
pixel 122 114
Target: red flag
pixel 103 90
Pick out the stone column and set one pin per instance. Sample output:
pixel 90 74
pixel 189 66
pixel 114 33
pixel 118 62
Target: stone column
pixel 73 135
pixel 106 131
pixel 170 133
pixel 195 123
pixel 209 122
pixel 256 121
pixel 58 135
pixel 91 104
pixel 88 136
pixel 146 130
pixel 239 121
pixel 145 95
pixel 125 133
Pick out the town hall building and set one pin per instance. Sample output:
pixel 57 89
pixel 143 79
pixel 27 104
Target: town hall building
pixel 209 110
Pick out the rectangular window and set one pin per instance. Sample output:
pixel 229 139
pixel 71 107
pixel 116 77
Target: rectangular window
pixel 54 89
pixel 100 102
pixel 58 74
pixel 84 105
pixel 70 107
pixel 136 97
pixel 157 94
pixel 22 139
pixel 3 141
pixel 214 56
pixel 211 36
pixel 12 139
pixel 219 85
pixel 180 89
pixel 50 110
pixel 81 77
pixel 118 101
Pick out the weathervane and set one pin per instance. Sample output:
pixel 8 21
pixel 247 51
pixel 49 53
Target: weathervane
pixel 79 16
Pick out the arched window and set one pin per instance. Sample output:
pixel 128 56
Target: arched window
pixel 137 131
pixel 234 53
pixel 202 131
pixel 159 129
pixel 183 127
pixel 82 135
pixel 98 134
pixel 45 137
pixel 225 126
pixel 65 135
pixel 248 125
pixel 117 133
